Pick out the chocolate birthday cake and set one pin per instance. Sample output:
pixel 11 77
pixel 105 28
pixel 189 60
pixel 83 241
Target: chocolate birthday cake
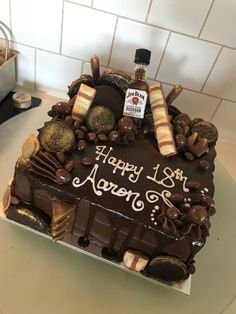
pixel 135 191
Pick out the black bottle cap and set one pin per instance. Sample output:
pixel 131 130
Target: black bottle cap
pixel 142 56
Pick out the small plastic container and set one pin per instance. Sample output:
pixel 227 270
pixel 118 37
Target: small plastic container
pixel 8 68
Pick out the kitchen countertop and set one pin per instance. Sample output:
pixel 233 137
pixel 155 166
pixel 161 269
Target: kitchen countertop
pixel 41 276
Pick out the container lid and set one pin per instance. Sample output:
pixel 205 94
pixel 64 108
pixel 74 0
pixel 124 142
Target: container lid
pixel 142 56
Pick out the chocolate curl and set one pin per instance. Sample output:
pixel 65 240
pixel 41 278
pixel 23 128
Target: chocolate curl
pixel 83 102
pixel 173 94
pixel 162 126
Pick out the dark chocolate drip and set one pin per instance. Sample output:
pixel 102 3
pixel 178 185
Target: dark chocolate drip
pixel 128 238
pixel 142 232
pixel 113 239
pixel 85 204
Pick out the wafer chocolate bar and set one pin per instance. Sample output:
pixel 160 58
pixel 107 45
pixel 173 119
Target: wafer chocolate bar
pixel 162 126
pixel 83 102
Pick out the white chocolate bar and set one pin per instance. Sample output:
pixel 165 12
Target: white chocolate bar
pixel 134 260
pixel 162 126
pixel 83 102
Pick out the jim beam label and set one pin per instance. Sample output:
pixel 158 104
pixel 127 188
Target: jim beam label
pixel 135 102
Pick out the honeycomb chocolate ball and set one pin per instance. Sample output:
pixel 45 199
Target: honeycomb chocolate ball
pixel 57 136
pixel 100 119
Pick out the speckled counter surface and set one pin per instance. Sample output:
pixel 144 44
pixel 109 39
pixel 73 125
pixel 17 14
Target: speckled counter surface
pixel 40 276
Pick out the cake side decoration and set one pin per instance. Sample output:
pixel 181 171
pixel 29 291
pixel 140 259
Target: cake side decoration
pixel 136 189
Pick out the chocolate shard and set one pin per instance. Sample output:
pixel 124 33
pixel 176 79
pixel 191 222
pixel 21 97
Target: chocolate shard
pixel 197 145
pixel 63 215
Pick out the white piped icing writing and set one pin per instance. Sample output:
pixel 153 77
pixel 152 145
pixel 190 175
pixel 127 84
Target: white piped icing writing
pixel 170 175
pixel 103 185
pixel 118 164
pixel 133 173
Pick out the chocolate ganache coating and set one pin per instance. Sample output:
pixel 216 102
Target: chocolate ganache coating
pixel 115 192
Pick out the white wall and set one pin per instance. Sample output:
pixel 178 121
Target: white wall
pixel 193 43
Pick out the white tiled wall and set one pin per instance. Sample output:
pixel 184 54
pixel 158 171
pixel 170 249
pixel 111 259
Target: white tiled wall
pixel 193 43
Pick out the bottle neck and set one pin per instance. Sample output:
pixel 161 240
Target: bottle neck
pixel 140 72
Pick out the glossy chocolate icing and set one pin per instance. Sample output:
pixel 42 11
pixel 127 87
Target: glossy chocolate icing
pixel 119 196
pixel 109 220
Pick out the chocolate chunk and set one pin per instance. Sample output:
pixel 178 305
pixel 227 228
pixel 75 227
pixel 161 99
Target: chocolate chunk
pixel 102 137
pixel 77 124
pixel 91 136
pixel 189 156
pixel 197 214
pixel 204 165
pixel 60 156
pixel 126 124
pixel 80 134
pixel 62 108
pixel 63 176
pixel 86 161
pixel 81 145
pixel 167 268
pixel 113 136
pixel 176 198
pixel 206 130
pixel 197 145
pixel 69 165
pixel 84 129
pixel 193 185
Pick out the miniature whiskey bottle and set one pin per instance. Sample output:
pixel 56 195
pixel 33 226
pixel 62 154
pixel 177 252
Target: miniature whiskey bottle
pixel 136 94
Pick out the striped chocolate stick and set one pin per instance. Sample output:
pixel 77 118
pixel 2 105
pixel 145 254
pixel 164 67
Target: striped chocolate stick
pixel 83 102
pixel 162 126
pixel 173 94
